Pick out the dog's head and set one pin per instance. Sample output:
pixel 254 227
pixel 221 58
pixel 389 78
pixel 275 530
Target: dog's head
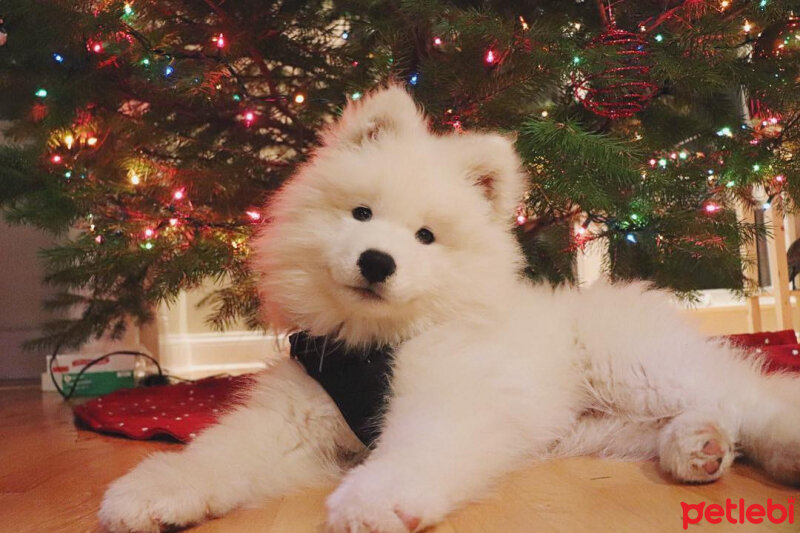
pixel 389 228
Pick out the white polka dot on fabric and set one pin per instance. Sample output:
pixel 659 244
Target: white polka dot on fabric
pixel 121 424
pixel 145 428
pixel 795 352
pixel 766 341
pixel 177 418
pixel 193 435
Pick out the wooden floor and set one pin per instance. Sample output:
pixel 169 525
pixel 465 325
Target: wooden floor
pixel 52 477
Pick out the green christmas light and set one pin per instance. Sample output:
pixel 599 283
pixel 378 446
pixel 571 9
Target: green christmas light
pixel 128 10
pixel 146 62
pixel 41 93
pixel 356 95
pixel 236 98
pixel 662 162
pixel 659 38
pixel 730 184
pixel 756 167
pixel 576 60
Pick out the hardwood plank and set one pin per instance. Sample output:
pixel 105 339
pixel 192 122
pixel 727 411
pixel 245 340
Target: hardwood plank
pixel 52 477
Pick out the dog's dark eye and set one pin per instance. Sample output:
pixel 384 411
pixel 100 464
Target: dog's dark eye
pixel 425 236
pixel 362 213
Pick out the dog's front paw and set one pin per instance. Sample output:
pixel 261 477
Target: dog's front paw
pixel 151 497
pixel 366 503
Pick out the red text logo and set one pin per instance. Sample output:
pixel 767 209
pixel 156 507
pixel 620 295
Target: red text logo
pixel 737 512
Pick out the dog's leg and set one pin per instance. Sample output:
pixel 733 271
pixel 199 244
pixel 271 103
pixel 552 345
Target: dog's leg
pixel 716 396
pixel 457 421
pixel 288 435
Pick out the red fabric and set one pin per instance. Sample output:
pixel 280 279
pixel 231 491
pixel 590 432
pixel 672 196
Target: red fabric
pixel 784 358
pixel 179 411
pixel 768 338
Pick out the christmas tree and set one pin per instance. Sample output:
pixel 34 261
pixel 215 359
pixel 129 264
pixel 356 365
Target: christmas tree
pixel 149 132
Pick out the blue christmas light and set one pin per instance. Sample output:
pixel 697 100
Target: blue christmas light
pixel 168 70
pixel 413 79
pixel 58 57
pixel 630 237
pixel 356 95
pixel 345 35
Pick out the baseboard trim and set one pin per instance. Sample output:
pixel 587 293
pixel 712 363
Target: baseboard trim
pixel 226 352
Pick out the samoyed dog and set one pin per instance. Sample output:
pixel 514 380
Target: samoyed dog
pixel 396 238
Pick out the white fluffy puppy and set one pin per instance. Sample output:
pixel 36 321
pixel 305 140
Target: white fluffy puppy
pixel 393 235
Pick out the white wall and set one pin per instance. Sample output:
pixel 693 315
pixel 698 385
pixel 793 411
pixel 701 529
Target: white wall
pixel 21 294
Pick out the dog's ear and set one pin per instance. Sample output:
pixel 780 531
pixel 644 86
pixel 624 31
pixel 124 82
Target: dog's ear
pixel 389 111
pixel 493 166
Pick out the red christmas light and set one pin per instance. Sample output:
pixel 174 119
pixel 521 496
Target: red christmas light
pixel 254 215
pixel 437 41
pixel 490 57
pixel 178 195
pixel 220 41
pixel 712 207
pixel 56 159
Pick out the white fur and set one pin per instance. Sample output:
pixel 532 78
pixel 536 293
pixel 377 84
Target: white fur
pixel 489 372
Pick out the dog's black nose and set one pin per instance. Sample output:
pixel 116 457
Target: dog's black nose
pixel 376 266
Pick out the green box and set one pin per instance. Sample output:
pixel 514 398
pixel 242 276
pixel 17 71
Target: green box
pixel 97 383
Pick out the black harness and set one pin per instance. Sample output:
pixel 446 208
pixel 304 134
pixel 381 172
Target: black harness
pixel 356 379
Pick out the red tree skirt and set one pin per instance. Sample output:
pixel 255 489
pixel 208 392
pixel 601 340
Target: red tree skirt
pixel 182 411
pixel 178 411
